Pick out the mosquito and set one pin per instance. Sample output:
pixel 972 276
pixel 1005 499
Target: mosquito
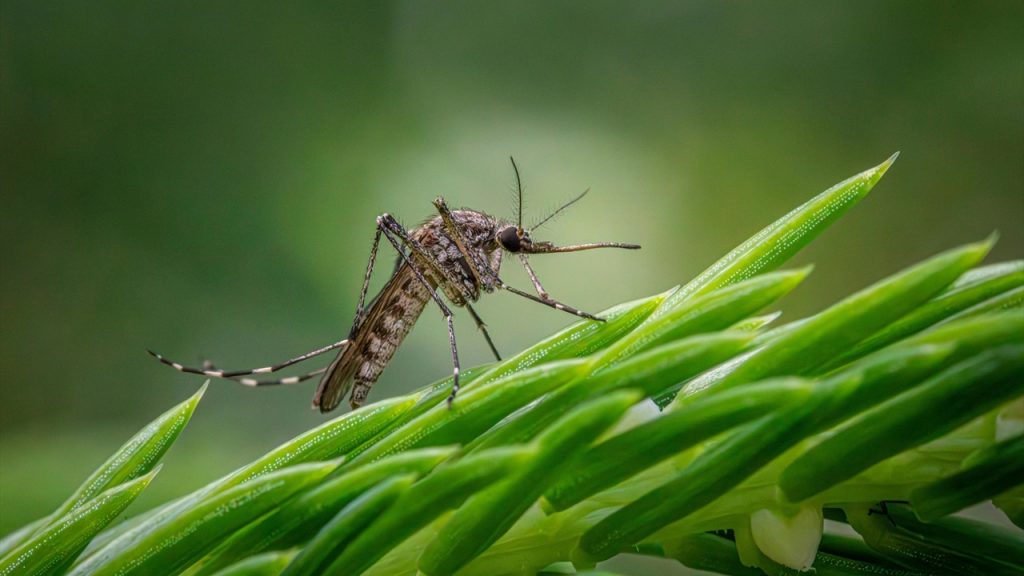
pixel 457 253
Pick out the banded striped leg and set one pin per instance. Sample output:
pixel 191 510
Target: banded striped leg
pixel 240 375
pixel 391 229
pixel 483 328
pixel 279 381
pixel 207 365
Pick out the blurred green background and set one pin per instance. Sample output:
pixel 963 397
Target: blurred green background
pixel 202 178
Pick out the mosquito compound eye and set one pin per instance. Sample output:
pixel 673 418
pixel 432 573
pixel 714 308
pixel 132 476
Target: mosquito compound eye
pixel 509 238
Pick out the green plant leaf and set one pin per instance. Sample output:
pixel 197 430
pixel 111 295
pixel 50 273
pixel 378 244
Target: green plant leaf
pixel 948 546
pixel 742 453
pixel 709 312
pixel 946 401
pixel 335 437
pixel 444 489
pixel 315 558
pixel 52 548
pixel 298 519
pixel 804 347
pixel 474 411
pixel 1008 300
pixel 267 564
pixel 986 474
pixel 489 514
pixel 650 371
pixel 959 297
pixel 137 456
pixel 629 453
pixel 165 545
pixel 780 240
pixel 329 440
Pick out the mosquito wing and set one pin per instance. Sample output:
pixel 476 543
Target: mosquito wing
pixel 373 342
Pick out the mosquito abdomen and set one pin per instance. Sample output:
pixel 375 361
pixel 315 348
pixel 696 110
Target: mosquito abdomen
pixel 390 318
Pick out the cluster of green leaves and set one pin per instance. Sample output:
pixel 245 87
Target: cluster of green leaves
pixel 682 427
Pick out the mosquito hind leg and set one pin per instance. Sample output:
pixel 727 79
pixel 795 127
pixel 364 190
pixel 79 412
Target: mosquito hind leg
pixel 279 381
pixel 210 371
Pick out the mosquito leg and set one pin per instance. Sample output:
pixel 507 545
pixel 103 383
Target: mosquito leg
pixel 533 277
pixel 544 298
pixel 552 303
pixel 453 231
pixel 212 373
pixel 279 381
pixel 208 365
pixel 366 284
pixel 483 328
pixel 390 227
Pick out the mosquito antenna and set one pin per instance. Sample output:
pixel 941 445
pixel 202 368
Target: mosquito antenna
pixel 562 207
pixel 519 194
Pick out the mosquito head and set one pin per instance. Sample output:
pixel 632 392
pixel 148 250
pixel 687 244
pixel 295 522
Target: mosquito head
pixel 514 239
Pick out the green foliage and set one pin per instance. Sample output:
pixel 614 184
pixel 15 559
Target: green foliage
pixel 910 389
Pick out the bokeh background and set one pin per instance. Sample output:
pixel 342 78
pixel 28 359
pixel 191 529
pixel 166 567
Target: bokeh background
pixel 202 178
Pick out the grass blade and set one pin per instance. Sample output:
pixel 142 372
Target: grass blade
pixel 137 456
pixel 490 513
pixel 167 545
pixel 724 465
pixel 780 240
pixel 946 401
pixel 942 307
pixel 50 550
pixel 949 546
pixel 643 446
pixel 580 339
pixel 315 557
pixel 298 519
pixel 444 489
pixel 335 437
pixel 811 343
pixel 709 312
pixel 268 564
pixel 474 411
pixel 650 372
pixel 985 475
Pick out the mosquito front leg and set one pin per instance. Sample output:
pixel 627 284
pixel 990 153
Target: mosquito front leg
pixel 392 228
pixel 533 276
pixel 360 310
pixel 456 236
pixel 552 303
pixel 209 370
